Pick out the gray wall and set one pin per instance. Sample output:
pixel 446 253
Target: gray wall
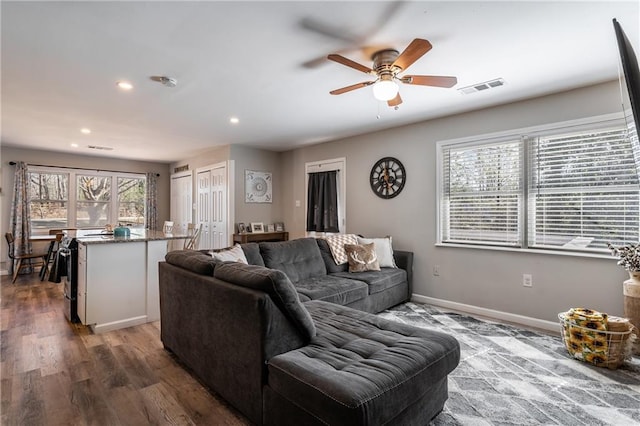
pixel 8 154
pixel 245 158
pixel 485 278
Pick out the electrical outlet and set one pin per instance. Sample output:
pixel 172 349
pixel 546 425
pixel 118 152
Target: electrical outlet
pixel 436 270
pixel 527 280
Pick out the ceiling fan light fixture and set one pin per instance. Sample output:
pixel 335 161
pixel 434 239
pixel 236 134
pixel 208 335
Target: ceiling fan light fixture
pixel 385 89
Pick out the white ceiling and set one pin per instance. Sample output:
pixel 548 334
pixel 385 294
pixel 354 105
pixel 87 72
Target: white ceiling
pixel 60 62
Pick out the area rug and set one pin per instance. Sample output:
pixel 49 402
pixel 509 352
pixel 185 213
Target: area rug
pixel 512 376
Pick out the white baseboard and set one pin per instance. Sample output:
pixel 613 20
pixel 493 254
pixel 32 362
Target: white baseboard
pixel 489 313
pixel 110 326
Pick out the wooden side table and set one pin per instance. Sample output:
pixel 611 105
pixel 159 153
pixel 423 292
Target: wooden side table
pixel 260 236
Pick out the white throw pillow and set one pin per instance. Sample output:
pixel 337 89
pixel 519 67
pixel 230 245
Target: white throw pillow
pixel 233 254
pixel 384 251
pixel 336 244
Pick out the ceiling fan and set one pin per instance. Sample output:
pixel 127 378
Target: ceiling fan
pixel 387 64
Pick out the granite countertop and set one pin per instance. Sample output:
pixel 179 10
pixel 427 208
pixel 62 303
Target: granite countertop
pixel 137 235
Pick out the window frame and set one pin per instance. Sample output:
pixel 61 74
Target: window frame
pixel 72 173
pixel 525 135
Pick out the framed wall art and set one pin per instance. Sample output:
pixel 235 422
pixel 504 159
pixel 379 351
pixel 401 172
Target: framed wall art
pixel 257 187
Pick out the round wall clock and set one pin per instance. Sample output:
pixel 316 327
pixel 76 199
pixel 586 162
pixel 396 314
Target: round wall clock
pixel 387 177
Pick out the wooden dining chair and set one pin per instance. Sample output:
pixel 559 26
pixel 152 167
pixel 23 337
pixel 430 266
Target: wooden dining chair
pixel 191 242
pixel 17 260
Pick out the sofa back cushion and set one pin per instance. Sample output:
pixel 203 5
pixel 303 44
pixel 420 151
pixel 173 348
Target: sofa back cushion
pixel 252 253
pixel 276 284
pixel 299 259
pixel 194 261
pixel 327 256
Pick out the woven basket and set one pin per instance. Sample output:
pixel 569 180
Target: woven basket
pixel 603 348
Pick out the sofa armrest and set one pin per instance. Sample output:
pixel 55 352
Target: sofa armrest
pixel 224 333
pixel 404 260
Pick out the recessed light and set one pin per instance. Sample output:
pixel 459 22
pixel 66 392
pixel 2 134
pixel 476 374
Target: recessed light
pixel 74 145
pixel 85 130
pixel 124 85
pixel 234 120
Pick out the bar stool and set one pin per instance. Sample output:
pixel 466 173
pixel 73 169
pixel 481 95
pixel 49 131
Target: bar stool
pixel 52 255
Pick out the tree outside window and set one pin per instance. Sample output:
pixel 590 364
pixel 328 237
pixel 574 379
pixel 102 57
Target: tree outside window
pixel 94 197
pixel 49 198
pixel 131 201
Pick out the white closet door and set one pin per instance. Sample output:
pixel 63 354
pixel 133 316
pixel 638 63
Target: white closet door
pixel 204 208
pixel 181 202
pixel 219 190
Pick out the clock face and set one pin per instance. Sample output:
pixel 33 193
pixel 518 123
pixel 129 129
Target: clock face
pixel 387 177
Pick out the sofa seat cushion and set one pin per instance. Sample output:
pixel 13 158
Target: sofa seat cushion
pixel 360 369
pixel 299 259
pixel 378 281
pixel 342 291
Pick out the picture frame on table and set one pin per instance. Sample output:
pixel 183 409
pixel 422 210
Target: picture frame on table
pixel 242 229
pixel 257 227
pixel 271 227
pixel 279 227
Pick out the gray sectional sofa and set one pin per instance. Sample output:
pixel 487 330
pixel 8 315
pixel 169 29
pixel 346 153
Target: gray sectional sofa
pixel 289 339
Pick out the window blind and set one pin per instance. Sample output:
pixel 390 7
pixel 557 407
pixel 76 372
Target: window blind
pixel 583 190
pixel 481 194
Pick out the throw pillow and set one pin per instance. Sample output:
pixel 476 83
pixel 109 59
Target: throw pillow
pixel 233 254
pixel 362 257
pixel 383 250
pixel 336 244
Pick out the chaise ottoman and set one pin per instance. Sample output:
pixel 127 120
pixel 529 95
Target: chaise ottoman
pixel 360 370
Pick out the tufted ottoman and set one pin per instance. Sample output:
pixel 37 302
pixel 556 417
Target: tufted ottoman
pixel 360 370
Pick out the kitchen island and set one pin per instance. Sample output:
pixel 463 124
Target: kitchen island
pixel 118 278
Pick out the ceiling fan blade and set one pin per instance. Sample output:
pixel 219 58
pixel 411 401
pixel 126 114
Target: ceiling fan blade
pixel 430 80
pixel 350 88
pixel 412 53
pixel 348 62
pixel 328 30
pixel 395 101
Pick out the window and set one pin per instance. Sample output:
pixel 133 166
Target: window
pixel 93 202
pixel 583 190
pixel 49 200
pixel 563 190
pixel 84 198
pixel 482 190
pixel 131 200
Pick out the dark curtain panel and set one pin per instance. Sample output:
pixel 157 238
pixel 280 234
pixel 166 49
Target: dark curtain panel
pixel 322 202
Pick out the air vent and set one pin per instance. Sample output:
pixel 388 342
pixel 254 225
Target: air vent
pixel 480 87
pixel 101 148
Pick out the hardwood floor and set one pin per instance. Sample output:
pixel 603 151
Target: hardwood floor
pixel 57 373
